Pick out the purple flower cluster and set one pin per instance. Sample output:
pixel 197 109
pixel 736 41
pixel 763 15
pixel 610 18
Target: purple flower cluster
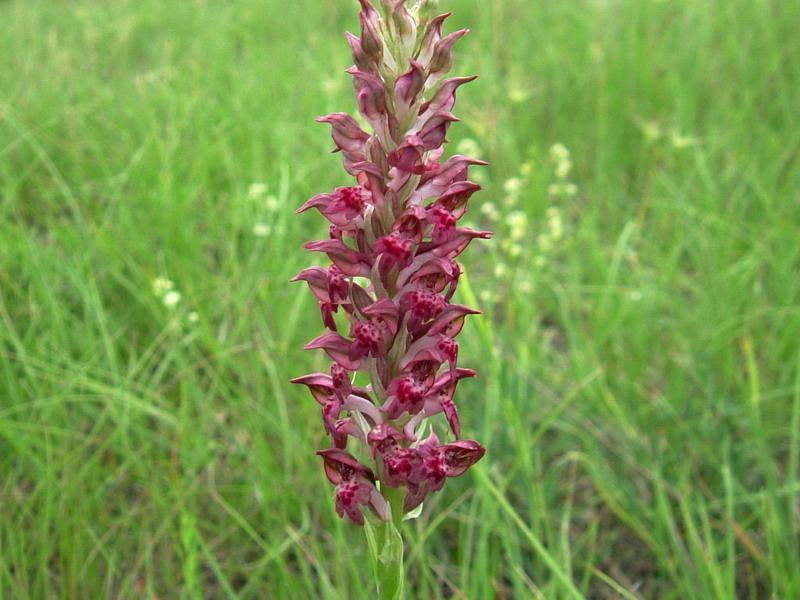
pixel 394 231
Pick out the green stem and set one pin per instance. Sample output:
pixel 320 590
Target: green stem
pixel 386 548
pixel 396 497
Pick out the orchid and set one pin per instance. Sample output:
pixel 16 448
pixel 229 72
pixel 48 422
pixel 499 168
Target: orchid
pixel 396 228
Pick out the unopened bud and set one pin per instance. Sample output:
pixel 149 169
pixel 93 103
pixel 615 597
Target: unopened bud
pixel 442 58
pixel 371 37
pixel 426 9
pixel 363 61
pixel 428 39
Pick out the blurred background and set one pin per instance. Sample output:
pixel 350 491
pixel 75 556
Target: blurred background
pixel 638 356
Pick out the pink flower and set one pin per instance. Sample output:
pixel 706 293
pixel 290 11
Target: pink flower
pixel 439 462
pixel 355 485
pixel 342 208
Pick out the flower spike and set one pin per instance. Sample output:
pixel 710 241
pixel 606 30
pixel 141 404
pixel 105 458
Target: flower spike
pixel 393 240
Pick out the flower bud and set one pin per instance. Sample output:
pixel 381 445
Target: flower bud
pixel 442 58
pixel 405 28
pixel 371 37
pixel 362 60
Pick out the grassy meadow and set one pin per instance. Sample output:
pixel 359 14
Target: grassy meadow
pixel 638 356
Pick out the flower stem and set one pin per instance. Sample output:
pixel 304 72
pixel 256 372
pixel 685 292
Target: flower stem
pixel 386 548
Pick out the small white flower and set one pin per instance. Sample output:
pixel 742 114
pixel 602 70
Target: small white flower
pixel 256 190
pixel 517 223
pixel 261 230
pixel 500 270
pixel 556 227
pixel 469 147
pixel 515 250
pixel 517 219
pixel 172 298
pixel 161 285
pixel 488 208
pixel 517 93
pixel 680 141
pixel 650 129
pixel 525 286
pixel 559 152
pixel 512 186
pixel 562 188
pixel 545 242
pixel 193 317
pixel 540 261
pixel 563 167
pixel 272 203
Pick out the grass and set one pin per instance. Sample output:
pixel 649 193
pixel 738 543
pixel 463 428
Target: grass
pixel 639 385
